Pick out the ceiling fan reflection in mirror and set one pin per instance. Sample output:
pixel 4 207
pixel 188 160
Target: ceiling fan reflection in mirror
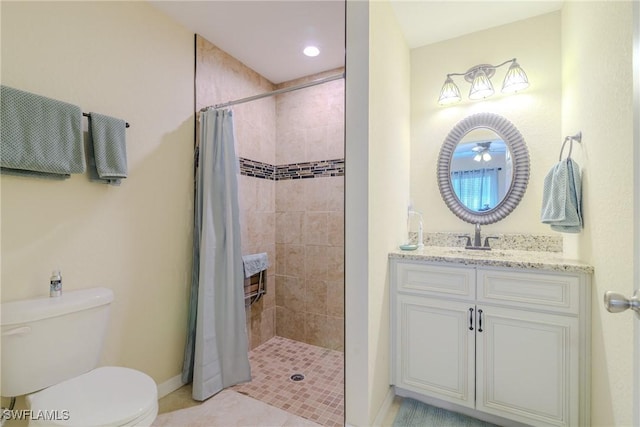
pixel 482 151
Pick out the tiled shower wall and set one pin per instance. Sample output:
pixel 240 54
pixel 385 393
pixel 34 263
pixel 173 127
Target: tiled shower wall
pixel 310 215
pixel 291 195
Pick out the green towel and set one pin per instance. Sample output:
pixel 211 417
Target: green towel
pixel 39 136
pixel 562 198
pixel 107 148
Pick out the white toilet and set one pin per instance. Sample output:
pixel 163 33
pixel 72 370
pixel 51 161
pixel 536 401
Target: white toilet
pixel 50 350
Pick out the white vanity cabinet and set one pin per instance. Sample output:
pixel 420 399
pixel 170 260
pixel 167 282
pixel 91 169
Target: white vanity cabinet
pixel 512 343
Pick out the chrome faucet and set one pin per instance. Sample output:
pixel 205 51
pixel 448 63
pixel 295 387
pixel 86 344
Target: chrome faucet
pixel 477 240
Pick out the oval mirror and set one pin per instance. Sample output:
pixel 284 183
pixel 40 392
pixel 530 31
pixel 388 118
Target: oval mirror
pixel 483 168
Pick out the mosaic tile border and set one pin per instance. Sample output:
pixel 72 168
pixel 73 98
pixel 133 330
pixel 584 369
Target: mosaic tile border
pixel 318 169
pixel 257 169
pixel 322 168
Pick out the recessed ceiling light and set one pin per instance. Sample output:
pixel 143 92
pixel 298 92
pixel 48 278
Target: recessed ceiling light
pixel 311 51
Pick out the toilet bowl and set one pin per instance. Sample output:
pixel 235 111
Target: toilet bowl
pixel 107 396
pixel 50 352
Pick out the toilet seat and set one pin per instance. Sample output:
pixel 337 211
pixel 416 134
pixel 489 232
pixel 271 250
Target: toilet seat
pixel 107 396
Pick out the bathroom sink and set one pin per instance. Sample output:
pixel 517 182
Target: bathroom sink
pixel 475 253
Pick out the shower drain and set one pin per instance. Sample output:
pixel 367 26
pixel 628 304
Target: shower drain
pixel 297 377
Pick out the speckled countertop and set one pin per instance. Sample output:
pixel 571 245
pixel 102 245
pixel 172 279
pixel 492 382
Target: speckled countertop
pixel 553 261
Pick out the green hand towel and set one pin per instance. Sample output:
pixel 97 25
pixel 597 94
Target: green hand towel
pixel 108 148
pixel 562 198
pixel 39 136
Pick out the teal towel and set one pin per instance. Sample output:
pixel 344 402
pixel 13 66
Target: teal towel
pixel 108 148
pixel 562 198
pixel 39 136
pixel 254 264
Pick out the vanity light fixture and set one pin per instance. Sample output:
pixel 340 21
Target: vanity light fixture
pixel 480 79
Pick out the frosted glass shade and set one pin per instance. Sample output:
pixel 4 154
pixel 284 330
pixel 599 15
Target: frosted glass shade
pixel 449 93
pixel 515 80
pixel 481 86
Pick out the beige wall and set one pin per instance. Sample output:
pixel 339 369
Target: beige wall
pixel 534 111
pixel 597 100
pixel 356 244
pixel 127 60
pixel 388 175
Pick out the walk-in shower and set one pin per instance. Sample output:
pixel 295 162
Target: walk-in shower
pixel 290 147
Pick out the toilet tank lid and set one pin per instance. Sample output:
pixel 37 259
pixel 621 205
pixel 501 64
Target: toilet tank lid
pixel 30 310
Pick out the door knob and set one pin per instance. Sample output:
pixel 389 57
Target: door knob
pixel 616 302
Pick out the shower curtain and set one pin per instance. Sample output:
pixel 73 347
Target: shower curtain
pixel 216 354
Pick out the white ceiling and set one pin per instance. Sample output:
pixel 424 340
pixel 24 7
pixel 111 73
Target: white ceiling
pixel 425 22
pixel 268 36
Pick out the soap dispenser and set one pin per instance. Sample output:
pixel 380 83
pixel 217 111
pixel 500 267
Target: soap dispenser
pixel 420 229
pixel 55 284
pixel 420 243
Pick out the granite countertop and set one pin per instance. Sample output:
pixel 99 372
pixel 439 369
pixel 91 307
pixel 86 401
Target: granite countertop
pixel 554 261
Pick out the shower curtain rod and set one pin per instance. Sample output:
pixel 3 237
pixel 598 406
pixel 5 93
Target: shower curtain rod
pixel 276 92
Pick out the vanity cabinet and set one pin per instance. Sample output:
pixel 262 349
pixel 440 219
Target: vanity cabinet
pixel 507 342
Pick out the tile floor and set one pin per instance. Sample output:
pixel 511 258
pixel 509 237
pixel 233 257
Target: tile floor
pixel 318 398
pixel 231 409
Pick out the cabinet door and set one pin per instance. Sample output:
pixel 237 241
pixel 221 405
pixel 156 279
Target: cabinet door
pixel 527 366
pixel 435 348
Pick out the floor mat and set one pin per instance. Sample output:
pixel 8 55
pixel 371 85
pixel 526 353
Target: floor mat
pixel 417 414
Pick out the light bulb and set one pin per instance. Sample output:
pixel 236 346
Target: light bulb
pixel 311 51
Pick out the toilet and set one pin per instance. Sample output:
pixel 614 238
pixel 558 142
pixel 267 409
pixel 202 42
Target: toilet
pixel 50 350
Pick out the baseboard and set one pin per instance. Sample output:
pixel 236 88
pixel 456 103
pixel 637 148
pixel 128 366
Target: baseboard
pixel 384 408
pixel 169 386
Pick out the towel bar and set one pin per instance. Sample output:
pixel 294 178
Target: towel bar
pixel 126 124
pixel 577 137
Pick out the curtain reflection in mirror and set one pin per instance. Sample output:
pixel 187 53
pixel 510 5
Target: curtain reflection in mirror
pixel 477 189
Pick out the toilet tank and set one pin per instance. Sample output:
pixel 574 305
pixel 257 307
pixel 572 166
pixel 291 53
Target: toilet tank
pixel 48 340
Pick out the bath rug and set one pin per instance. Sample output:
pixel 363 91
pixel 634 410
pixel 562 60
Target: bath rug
pixel 417 414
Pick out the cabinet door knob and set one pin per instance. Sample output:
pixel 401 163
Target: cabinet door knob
pixel 479 320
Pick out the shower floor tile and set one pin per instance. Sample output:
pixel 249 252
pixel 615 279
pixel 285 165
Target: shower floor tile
pixel 319 397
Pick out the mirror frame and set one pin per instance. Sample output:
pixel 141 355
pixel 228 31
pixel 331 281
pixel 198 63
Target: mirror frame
pixel 521 167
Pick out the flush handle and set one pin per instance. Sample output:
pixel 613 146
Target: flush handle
pixel 17 331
